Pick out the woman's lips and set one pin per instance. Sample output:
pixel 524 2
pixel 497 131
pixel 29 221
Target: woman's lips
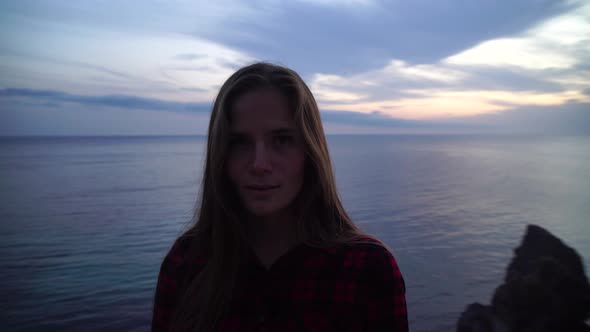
pixel 260 192
pixel 261 187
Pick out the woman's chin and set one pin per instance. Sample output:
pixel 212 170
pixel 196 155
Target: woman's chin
pixel 263 210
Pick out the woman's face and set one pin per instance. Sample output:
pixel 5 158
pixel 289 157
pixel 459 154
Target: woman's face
pixel 266 155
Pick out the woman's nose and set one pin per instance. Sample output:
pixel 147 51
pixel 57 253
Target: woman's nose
pixel 260 162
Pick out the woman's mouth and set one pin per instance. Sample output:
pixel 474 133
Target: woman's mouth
pixel 261 187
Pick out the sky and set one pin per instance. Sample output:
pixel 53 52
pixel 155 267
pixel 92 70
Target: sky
pixel 153 67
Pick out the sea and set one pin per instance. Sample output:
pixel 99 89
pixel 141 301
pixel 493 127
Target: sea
pixel 86 221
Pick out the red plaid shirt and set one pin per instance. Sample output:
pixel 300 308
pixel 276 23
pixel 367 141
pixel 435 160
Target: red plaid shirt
pixel 356 287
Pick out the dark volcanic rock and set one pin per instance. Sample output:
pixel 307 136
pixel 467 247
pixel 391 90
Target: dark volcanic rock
pixel 545 289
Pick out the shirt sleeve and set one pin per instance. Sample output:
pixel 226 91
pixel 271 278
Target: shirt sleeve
pixel 383 293
pixel 166 294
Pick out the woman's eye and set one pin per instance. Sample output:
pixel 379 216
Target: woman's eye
pixel 238 142
pixel 282 140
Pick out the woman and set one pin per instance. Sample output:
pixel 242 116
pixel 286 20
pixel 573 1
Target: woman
pixel 272 248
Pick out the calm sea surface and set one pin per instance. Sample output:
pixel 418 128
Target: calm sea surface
pixel 85 222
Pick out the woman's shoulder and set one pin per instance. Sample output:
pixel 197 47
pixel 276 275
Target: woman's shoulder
pixel 367 245
pixel 183 251
pixel 365 252
pixel 171 281
pixel 177 251
pixel 378 266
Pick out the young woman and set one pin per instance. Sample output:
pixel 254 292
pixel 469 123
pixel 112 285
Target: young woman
pixel 272 248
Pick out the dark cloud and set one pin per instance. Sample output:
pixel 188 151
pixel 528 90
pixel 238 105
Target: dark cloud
pixel 29 99
pixel 570 118
pixel 477 78
pixel 119 101
pixel 346 40
pixel 372 119
pixel 49 98
pixel 383 121
pixel 567 119
pixel 19 117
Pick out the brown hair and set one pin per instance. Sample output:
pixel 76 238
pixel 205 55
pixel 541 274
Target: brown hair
pixel 217 230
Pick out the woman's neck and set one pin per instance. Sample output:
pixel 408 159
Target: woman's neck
pixel 271 237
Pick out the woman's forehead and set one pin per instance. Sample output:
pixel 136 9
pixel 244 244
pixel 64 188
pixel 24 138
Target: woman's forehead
pixel 251 126
pixel 261 110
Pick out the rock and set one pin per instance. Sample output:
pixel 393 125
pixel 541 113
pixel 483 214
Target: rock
pixel 545 289
pixel 478 318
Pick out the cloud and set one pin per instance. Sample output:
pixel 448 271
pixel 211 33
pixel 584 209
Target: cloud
pixel 569 118
pixel 339 3
pixel 93 57
pixel 395 62
pixel 431 104
pixel 40 112
pixel 561 42
pixel 517 52
pixel 355 38
pixel 374 119
pixel 16 103
pixel 475 81
pixel 56 98
pixel 515 79
pixel 22 118
pixel 395 80
pixel 189 56
pixel 130 17
pixel 405 92
pixel 310 35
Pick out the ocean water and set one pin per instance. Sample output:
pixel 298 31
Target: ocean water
pixel 85 222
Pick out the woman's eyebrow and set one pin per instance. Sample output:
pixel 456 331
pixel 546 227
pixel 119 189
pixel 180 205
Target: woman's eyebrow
pixel 282 131
pixel 238 134
pixel 276 131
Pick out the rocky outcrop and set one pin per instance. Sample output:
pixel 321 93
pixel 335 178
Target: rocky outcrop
pixel 545 289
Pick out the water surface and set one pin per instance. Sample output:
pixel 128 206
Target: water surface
pixel 85 222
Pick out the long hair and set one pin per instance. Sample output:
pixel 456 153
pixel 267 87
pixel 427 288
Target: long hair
pixel 217 225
